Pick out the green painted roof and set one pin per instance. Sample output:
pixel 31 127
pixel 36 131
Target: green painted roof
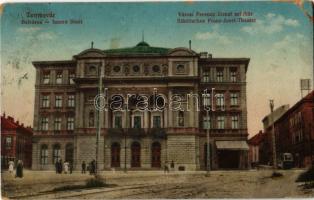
pixel 140 48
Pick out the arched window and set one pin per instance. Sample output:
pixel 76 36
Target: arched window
pixel 91 117
pixel 69 152
pixel 156 154
pixel 136 154
pixel 115 155
pixel 56 153
pixel 181 118
pixel 44 154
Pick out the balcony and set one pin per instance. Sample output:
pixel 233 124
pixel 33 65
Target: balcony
pixel 137 132
pixel 158 133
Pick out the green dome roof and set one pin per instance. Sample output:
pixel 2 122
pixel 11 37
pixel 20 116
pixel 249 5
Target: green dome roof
pixel 142 44
pixel 140 48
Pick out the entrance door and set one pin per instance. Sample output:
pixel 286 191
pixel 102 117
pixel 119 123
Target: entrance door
pixel 115 155
pixel 156 155
pixel 229 159
pixel 136 154
pixel 69 153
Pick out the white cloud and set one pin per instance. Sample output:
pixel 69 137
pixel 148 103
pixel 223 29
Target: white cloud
pixel 28 29
pixel 272 23
pixel 46 36
pixel 216 36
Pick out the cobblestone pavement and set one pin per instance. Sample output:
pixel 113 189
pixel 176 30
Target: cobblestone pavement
pixel 156 184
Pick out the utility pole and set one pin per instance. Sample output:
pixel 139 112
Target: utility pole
pixel 208 145
pixel 98 125
pixel 125 134
pixel 271 104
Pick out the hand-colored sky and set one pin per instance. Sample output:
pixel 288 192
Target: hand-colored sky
pixel 279 44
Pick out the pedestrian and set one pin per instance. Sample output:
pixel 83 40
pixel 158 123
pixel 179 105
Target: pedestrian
pixel 93 167
pixel 83 167
pixel 19 169
pixel 11 166
pixel 57 166
pixel 172 165
pixel 66 167
pixel 60 167
pixel 166 168
pixel 71 167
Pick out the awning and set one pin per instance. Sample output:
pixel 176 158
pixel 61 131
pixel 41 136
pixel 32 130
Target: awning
pixel 232 145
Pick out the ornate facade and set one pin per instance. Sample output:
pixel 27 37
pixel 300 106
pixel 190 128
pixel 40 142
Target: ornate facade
pixel 65 118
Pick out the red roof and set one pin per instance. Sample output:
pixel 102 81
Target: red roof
pixel 257 139
pixel 9 123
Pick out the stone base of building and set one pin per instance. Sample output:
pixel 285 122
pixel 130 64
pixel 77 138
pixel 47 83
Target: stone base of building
pixel 178 152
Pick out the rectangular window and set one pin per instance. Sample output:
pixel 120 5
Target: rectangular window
pixel 44 123
pixel 233 75
pixel 70 123
pixel 57 124
pixel 46 77
pixel 220 122
pixel 206 122
pixel 44 156
pixel 181 118
pixel 220 75
pixel 59 77
pixel 71 77
pixel 206 76
pixel 56 154
pixel 118 122
pixel 234 122
pixel 207 100
pixel 137 122
pixel 71 100
pixel 220 100
pixel 45 101
pixel 8 142
pixel 233 99
pixel 58 101
pixel 156 122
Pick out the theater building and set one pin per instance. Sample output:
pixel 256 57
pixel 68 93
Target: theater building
pixel 65 118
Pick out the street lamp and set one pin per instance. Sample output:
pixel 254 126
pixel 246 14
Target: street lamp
pixel 271 105
pixel 208 147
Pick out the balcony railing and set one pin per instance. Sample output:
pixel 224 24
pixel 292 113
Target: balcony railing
pixel 137 132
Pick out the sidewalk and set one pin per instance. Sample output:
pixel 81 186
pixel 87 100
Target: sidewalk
pixel 35 182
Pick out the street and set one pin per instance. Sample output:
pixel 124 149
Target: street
pixel 156 184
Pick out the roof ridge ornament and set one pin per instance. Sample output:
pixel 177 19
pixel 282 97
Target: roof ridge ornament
pixel 92 45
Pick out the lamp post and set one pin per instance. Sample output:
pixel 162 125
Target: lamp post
pixel 98 125
pixel 271 105
pixel 125 133
pixel 208 147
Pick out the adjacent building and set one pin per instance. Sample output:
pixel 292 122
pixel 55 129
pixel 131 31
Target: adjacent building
pixel 266 146
pixel 16 142
pixel 294 132
pixel 255 148
pixel 65 118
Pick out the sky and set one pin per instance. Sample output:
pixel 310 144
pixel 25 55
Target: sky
pixel 279 44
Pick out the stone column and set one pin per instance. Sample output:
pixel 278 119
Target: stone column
pixel 170 120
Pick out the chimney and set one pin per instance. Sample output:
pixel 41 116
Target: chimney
pixel 18 123
pixel 190 44
pixel 10 119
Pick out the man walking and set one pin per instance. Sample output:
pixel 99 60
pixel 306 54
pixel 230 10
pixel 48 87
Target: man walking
pixel 83 167
pixel 19 169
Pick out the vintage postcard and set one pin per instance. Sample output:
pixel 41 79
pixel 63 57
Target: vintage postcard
pixel 157 100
